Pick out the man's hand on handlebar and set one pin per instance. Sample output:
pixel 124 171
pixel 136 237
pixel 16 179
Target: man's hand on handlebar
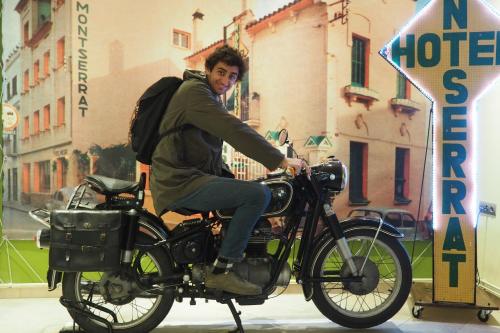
pixel 296 164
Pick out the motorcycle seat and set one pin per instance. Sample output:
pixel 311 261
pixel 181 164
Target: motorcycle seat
pixel 111 186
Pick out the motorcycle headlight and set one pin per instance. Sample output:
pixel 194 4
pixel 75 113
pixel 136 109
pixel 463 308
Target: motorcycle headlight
pixel 331 174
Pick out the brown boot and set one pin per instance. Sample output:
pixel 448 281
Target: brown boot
pixel 231 283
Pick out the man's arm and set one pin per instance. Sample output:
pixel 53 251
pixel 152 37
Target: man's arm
pixel 209 115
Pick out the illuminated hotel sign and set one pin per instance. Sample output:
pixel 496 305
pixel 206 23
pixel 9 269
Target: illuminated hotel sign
pixel 451 51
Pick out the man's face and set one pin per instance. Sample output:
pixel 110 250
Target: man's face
pixel 222 77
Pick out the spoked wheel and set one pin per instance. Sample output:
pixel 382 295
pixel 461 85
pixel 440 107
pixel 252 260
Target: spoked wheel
pixel 118 297
pixel 384 286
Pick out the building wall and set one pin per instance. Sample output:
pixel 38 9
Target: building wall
pixel 11 96
pixel 288 71
pixel 51 143
pixel 109 60
pixel 131 53
pixel 379 127
pixel 299 67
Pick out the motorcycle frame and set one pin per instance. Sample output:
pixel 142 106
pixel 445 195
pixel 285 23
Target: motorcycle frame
pixel 312 195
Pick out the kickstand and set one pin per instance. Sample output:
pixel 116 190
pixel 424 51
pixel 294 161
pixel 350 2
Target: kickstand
pixel 236 316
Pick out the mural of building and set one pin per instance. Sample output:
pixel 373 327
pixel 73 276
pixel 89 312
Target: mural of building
pixel 82 72
pixel 314 69
pixel 11 96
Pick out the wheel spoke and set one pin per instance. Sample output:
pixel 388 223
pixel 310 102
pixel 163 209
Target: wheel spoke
pixel 130 314
pixel 389 276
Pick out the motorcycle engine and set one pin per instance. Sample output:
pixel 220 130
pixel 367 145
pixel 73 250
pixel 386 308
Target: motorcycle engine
pixel 192 249
pixel 257 264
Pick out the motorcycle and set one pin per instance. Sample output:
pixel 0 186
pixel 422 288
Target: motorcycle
pixel 355 271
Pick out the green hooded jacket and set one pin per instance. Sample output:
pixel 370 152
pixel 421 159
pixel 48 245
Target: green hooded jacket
pixel 184 161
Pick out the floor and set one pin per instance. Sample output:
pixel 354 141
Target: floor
pixel 286 313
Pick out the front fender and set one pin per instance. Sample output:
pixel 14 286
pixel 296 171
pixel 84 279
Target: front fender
pixel 367 223
pixel 370 223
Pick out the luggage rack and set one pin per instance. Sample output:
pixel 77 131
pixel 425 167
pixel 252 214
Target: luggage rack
pixel 42 215
pixel 75 201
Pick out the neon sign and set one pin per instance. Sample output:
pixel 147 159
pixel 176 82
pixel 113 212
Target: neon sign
pixel 451 52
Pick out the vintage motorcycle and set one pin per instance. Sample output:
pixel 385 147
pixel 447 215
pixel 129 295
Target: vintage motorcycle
pixel 355 271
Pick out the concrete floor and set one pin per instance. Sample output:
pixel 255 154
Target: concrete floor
pixel 286 313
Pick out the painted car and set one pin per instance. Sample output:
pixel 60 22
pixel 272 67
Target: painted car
pixel 400 218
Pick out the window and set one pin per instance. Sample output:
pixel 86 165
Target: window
pixel 36 71
pixel 9 185
pixel 36 123
pixel 359 62
pixel 403 86
pixel 8 91
pixel 14 140
pixel 44 177
pixel 182 39
pixel 46 117
pixel 14 184
pixel 46 64
pixel 26 178
pixel 61 170
pixel 26 81
pixel 14 86
pixel 26 33
pixel 60 53
pixel 401 177
pixel 60 111
pixel 358 171
pixel 26 128
pixel 44 11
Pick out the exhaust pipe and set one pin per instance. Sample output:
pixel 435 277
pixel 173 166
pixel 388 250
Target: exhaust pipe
pixel 42 238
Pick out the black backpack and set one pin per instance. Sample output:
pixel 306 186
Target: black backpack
pixel 147 116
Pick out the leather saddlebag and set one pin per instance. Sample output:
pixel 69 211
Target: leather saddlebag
pixel 85 240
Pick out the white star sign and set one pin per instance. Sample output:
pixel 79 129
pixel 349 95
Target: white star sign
pixel 451 51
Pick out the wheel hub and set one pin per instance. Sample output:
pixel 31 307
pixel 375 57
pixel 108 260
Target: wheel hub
pixel 369 278
pixel 117 289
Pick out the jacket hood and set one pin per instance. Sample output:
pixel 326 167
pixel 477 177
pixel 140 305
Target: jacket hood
pixel 193 74
pixel 190 74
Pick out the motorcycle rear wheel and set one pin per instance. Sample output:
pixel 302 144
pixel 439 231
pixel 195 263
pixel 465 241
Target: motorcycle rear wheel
pixel 138 314
pixel 381 294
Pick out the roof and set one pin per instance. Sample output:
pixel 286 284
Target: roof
pixel 20 5
pixel 277 15
pixel 205 51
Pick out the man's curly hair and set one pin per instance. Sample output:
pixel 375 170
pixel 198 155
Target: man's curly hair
pixel 228 55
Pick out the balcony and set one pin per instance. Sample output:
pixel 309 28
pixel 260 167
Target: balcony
pixel 361 95
pixel 40 34
pixel 406 106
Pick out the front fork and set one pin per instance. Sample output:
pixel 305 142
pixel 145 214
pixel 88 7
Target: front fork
pixel 333 223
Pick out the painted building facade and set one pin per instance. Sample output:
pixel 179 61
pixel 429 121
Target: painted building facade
pixel 314 69
pixel 82 72
pixel 11 96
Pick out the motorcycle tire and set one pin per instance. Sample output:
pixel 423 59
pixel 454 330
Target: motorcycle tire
pixel 72 287
pixel 354 304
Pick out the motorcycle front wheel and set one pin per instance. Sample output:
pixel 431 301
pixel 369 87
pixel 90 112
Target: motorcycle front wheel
pixel 102 294
pixel 383 289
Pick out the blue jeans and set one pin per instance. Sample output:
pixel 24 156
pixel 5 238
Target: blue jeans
pixel 250 200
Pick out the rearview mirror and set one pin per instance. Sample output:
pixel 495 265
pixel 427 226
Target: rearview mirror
pixel 283 137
